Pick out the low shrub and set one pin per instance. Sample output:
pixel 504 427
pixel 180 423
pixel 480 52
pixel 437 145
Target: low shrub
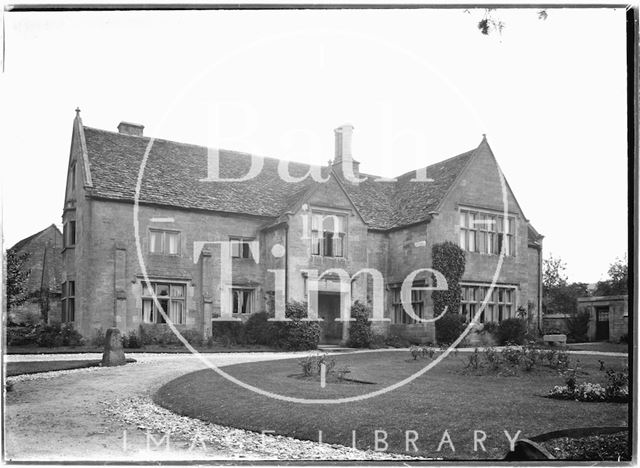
pixel 360 334
pixel 98 338
pixel 70 336
pixel 157 334
pixel 258 330
pixel 490 328
pixel 449 327
pixel 512 331
pixel 312 364
pixel 578 326
pixel 397 341
pixel 21 336
pixel 298 335
pixel 377 341
pixel 49 335
pixel 194 337
pixel 131 340
pixel 229 333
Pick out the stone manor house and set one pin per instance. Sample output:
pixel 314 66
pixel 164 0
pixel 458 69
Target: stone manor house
pixel 387 225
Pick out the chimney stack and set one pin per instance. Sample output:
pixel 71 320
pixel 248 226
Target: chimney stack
pixel 343 154
pixel 343 143
pixel 128 128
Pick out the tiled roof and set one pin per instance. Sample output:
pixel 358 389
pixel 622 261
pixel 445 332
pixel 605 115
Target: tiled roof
pixel 174 171
pixel 24 242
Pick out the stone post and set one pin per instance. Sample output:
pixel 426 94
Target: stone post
pixel 113 353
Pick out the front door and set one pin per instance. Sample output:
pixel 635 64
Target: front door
pixel 602 323
pixel 329 310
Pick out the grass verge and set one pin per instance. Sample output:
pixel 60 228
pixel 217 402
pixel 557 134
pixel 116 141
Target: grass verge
pixel 418 418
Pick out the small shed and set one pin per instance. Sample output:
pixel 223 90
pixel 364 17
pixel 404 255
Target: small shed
pixel 608 316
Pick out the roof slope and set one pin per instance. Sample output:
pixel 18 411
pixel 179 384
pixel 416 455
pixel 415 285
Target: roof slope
pixel 24 242
pixel 174 172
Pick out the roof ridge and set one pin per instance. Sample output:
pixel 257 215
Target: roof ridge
pixel 175 142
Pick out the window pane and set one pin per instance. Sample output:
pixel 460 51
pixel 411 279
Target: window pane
pixel 327 244
pixel 246 250
pixel 482 239
pixel 512 245
pixel 463 239
pixel 246 302
pixel 236 300
pixel 177 290
pixel 315 243
pixel 147 311
pixel 155 242
pixel 71 310
pixel 72 288
pixel 162 289
pixel 512 224
pixel 173 242
pixel 499 220
pixel 463 219
pixel 472 241
pixel 235 248
pixel 147 289
pixel 177 312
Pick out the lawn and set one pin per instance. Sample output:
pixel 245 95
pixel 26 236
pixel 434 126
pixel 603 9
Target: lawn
pixel 600 346
pixel 447 398
pixel 35 367
pixel 145 349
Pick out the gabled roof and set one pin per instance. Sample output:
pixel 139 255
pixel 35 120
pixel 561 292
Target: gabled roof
pixel 24 242
pixel 174 172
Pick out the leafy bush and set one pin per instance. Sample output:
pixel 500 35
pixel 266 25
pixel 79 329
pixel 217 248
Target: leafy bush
pixel 131 340
pixel 491 328
pixel 229 333
pixel 194 337
pixel 48 335
pixel 360 334
pixel 21 336
pixel 98 338
pixel 377 341
pixel 312 364
pixel 298 335
pixel 512 331
pixel 157 334
pixel 70 336
pixel 449 327
pixel 258 330
pixel 578 326
pixel 396 341
pixel 448 259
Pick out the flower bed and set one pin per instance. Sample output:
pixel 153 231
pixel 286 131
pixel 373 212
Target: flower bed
pixel 596 447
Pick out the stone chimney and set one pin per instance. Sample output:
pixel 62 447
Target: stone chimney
pixel 128 128
pixel 343 154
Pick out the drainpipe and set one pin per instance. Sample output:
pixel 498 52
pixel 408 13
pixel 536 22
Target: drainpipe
pixel 286 263
pixel 540 288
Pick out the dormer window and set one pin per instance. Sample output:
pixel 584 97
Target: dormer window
pixel 328 234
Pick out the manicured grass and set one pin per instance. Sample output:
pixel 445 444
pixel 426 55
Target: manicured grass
pixel 603 346
pixel 445 398
pixel 35 367
pixel 145 349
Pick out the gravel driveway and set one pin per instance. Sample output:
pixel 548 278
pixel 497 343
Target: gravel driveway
pixel 98 414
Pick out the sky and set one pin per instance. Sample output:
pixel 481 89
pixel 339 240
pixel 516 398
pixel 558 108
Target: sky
pixel 418 86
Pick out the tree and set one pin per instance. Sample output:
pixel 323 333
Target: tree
pixel 553 272
pixel 558 295
pixel 618 282
pixel 17 277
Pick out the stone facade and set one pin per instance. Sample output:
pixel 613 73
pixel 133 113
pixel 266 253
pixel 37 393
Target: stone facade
pixel 108 265
pixel 44 262
pixel 608 316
